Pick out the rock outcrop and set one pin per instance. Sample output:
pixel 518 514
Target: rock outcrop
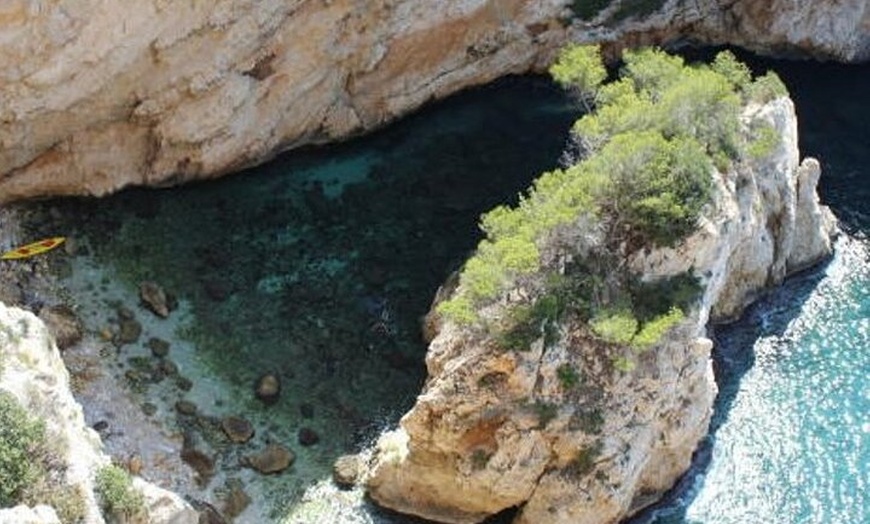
pixel 98 95
pixel 31 370
pixel 564 432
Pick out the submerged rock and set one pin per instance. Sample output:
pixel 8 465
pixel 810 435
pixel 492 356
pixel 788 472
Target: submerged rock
pixel 159 347
pixel 308 437
pixel 268 388
pixel 346 470
pixel 154 298
pixel 237 429
pixel 274 459
pixel 201 462
pixel 63 324
pixel 235 499
pixel 128 332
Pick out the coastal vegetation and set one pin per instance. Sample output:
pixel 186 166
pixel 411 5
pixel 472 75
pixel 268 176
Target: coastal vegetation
pixel 638 176
pixel 29 465
pixel 120 501
pixel 22 438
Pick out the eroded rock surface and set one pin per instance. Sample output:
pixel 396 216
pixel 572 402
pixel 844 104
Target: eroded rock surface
pixel 564 432
pixel 97 95
pixel 31 369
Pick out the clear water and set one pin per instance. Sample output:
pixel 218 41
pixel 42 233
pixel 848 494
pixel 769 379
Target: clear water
pixel 320 264
pixel 789 438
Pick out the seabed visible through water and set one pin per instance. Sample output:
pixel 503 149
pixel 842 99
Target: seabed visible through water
pixel 317 267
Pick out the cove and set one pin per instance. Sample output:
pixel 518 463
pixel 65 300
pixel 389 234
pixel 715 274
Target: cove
pixel 319 265
pixel 316 267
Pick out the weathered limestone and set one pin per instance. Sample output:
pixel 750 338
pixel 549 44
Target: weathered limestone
pixel 96 95
pixel 31 370
pixel 494 429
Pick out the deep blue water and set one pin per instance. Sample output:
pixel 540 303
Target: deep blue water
pixel 319 265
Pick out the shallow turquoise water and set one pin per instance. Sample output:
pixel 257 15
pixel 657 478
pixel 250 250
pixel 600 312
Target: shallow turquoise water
pixel 789 439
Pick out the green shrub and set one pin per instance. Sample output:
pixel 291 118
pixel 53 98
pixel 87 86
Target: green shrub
pixel 735 71
pixel 568 376
pixel 458 309
pixel 589 421
pixel 648 147
pixel 119 500
pixel 623 364
pixel 766 88
pixel 764 141
pixel 652 332
pixel 22 440
pixel 615 327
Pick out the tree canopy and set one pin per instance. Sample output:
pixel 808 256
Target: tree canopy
pixel 645 152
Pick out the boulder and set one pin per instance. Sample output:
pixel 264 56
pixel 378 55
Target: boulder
pixel 268 388
pixel 154 298
pixel 274 459
pixel 237 429
pixel 63 324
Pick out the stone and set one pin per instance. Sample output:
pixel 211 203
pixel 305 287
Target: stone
pixel 235 498
pixel 208 514
pixel 346 470
pixel 148 408
pixel 129 331
pixel 183 383
pixel 125 313
pixel 186 407
pixel 35 373
pixel 154 298
pixel 299 91
pixel 63 323
pixel 274 459
pixel 308 437
pixel 202 463
pixel 166 368
pixel 268 388
pixel 135 464
pixel 159 347
pixel 237 429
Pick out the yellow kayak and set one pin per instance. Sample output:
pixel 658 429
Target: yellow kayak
pixel 33 248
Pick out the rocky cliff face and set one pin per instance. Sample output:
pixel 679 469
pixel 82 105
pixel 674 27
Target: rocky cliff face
pixel 31 370
pixel 565 433
pixel 97 95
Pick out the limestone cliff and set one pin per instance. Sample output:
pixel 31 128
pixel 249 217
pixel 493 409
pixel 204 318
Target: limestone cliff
pixel 96 95
pixel 565 433
pixel 31 370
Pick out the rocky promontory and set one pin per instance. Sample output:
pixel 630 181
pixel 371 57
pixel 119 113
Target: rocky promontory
pixel 570 429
